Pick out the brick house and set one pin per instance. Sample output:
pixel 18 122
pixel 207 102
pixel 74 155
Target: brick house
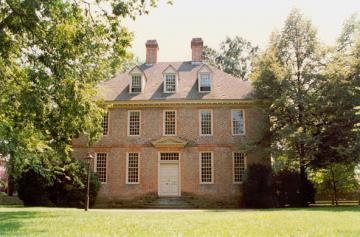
pixel 175 129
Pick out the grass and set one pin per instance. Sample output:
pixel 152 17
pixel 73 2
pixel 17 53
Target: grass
pixel 23 221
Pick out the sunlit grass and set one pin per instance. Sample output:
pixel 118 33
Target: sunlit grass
pixel 20 221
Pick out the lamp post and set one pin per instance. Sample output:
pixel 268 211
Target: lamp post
pixel 88 160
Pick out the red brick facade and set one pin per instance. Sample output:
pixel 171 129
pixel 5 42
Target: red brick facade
pixel 222 143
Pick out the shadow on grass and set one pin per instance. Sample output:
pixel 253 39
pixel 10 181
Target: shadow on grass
pixel 11 222
pixel 310 209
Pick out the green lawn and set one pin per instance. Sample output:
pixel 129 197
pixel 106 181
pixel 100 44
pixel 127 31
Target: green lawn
pixel 21 221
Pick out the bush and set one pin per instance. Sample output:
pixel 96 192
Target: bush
pixel 287 189
pixel 67 189
pixel 258 187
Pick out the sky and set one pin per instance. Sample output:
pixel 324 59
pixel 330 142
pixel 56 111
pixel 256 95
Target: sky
pixel 173 26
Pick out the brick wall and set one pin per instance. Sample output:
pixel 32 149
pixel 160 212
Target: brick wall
pixel 221 143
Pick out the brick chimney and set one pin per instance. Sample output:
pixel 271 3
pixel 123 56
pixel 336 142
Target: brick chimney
pixel 197 45
pixel 152 48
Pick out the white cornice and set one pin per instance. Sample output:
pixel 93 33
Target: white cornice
pixel 160 103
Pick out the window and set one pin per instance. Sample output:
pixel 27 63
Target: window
pixel 205 122
pixel 135 84
pixel 134 123
pixel 205 82
pixel 169 156
pixel 169 122
pixel 170 83
pixel 101 166
pixel 239 167
pixel 237 122
pixel 132 171
pixel 105 124
pixel 206 168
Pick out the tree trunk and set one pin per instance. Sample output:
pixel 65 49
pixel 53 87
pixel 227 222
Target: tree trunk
pixel 11 183
pixel 333 181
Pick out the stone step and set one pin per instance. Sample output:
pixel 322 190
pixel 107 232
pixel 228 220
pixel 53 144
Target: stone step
pixel 169 203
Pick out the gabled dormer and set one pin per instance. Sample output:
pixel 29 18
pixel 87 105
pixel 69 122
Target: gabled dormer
pixel 205 82
pixel 171 78
pixel 136 80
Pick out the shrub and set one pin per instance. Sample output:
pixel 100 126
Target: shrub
pixel 287 189
pixel 258 187
pixel 67 189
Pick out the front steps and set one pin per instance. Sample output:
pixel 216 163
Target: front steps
pixel 169 203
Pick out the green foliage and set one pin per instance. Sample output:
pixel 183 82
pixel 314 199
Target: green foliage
pixel 67 188
pixel 336 180
pixel 234 57
pixel 53 55
pixel 286 188
pixel 257 187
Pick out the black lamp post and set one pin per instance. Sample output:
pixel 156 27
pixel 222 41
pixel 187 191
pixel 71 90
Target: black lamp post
pixel 88 160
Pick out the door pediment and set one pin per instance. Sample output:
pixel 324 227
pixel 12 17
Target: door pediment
pixel 169 142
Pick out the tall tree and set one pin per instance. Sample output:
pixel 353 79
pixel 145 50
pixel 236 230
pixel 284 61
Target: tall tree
pixel 234 57
pixel 288 75
pixel 53 54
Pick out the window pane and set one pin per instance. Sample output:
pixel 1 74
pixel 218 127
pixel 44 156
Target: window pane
pixel 105 124
pixel 101 166
pixel 133 167
pixel 169 156
pixel 205 83
pixel 170 122
pixel 238 122
pixel 239 167
pixel 205 122
pixel 134 123
pixel 206 167
pixel 136 83
pixel 170 83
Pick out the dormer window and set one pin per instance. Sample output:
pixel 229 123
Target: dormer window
pixel 204 82
pixel 170 83
pixel 135 85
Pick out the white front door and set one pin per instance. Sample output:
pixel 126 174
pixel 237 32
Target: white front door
pixel 169 179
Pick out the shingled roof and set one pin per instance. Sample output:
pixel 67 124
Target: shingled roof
pixel 225 86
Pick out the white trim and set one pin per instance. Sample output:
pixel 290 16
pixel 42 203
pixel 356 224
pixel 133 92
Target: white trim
pixel 128 123
pixel 233 166
pixel 127 168
pixel 176 82
pixel 167 162
pixel 199 81
pixel 212 167
pixel 232 126
pixel 131 82
pixel 169 110
pixel 95 165
pixel 212 123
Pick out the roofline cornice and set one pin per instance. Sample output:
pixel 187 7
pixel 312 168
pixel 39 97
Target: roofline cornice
pixel 164 103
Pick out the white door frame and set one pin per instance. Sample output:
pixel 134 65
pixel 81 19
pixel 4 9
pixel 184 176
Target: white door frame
pixel 169 162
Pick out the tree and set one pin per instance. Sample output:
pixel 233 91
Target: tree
pixel 53 54
pixel 234 57
pixel 288 76
pixel 336 179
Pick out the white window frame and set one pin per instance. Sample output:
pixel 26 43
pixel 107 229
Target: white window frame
pixel 199 82
pixel 212 168
pixel 108 124
pixel 232 125
pixel 106 169
pixel 128 123
pixel 164 112
pixel 212 123
pixel 233 166
pixel 176 83
pixel 127 168
pixel 131 83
